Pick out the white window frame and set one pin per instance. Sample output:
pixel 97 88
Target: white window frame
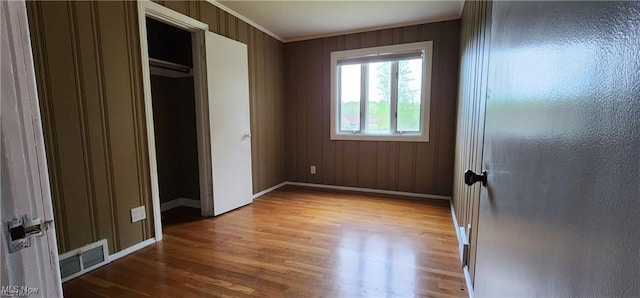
pixel 426 47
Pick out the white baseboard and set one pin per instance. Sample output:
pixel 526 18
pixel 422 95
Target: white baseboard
pixel 460 234
pixel 371 190
pixel 131 249
pixel 170 205
pixel 268 190
pixel 175 203
pixel 467 279
pixel 455 222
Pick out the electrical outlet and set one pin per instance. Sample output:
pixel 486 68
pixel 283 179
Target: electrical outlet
pixel 313 170
pixel 138 214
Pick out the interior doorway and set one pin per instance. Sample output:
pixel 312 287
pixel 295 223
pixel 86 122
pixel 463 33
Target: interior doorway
pixel 176 112
pixel 174 118
pixel 220 70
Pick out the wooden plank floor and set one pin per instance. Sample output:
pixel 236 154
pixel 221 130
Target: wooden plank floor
pixel 294 242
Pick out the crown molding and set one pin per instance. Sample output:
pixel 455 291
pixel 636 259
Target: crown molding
pixel 245 19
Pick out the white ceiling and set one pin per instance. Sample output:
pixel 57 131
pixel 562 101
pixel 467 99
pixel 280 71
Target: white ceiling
pixel 298 20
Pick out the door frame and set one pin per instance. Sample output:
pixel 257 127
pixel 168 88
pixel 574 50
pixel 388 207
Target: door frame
pixel 158 12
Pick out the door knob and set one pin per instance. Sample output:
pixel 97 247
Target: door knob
pixel 470 178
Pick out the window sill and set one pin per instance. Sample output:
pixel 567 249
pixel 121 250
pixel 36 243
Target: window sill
pixel 380 138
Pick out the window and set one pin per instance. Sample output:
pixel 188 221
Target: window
pixel 381 93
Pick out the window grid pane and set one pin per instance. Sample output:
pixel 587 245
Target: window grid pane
pixel 378 101
pixel 350 97
pixel 409 95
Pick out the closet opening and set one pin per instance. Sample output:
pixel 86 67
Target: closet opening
pixel 173 100
pixel 189 75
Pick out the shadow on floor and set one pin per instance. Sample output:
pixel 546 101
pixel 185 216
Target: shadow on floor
pixel 181 215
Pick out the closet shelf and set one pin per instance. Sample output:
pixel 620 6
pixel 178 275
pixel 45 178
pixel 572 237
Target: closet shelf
pixel 169 69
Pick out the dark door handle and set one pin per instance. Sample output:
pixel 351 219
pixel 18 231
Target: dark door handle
pixel 470 178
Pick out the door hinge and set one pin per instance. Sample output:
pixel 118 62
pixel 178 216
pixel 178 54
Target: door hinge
pixel 20 230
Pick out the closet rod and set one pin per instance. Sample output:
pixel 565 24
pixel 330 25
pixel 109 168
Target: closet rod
pixel 169 65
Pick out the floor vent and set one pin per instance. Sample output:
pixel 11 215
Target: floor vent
pixel 83 260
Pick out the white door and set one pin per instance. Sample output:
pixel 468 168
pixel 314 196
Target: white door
pixel 29 254
pixel 228 87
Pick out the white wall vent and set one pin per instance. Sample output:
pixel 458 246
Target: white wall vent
pixel 82 260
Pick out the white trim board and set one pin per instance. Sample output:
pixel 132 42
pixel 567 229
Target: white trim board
pixel 467 279
pixel 268 190
pixel 197 29
pixel 461 235
pixel 131 249
pixel 371 190
pixel 175 203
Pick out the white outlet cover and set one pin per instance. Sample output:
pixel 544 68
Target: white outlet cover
pixel 138 214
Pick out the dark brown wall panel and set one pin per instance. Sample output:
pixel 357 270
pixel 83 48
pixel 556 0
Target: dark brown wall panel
pixel 313 106
pixel 328 164
pixel 122 93
pixel 300 112
pixel 289 120
pixel 72 166
pixel 448 119
pixel 209 15
pixel 254 38
pixel 394 159
pixel 87 72
pixel 88 69
pixel 222 23
pixel 179 6
pixel 90 54
pixel 366 169
pixel 243 32
pixel 193 9
pixel 232 27
pixel 261 103
pixel 404 166
pixel 265 91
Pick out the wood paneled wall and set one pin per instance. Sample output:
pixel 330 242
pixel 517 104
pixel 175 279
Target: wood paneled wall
pixel 265 87
pixel 88 69
pixel 474 57
pixel 403 166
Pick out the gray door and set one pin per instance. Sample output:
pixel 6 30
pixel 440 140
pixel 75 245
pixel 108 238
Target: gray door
pixel 559 215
